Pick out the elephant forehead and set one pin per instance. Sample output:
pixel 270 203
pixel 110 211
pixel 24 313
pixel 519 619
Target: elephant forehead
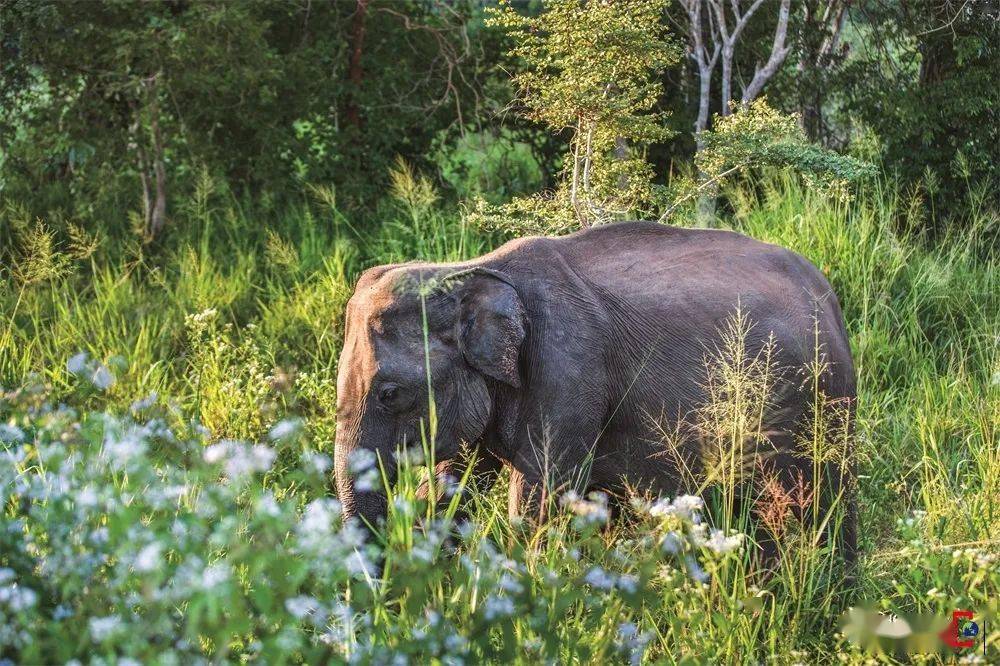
pixel 396 317
pixel 386 303
pixel 384 340
pixel 357 362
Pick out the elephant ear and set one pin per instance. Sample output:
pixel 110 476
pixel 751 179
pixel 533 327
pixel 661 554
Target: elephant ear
pixel 491 326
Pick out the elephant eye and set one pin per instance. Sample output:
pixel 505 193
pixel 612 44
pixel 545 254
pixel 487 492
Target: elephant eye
pixel 389 394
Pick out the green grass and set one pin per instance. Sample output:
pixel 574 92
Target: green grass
pixel 235 324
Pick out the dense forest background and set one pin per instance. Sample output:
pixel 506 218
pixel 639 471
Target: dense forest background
pixel 122 106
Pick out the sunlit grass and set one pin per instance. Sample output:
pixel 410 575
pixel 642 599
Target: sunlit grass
pixel 239 328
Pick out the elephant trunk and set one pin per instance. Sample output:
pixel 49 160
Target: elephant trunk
pixel 360 491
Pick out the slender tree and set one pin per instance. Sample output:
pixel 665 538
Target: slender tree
pixel 591 71
pixel 715 28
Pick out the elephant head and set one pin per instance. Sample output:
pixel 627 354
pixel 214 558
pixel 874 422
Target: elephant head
pixel 416 335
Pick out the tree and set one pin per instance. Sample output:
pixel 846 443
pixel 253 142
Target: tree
pixel 104 89
pixel 923 76
pixel 715 27
pixel 590 70
pixel 114 106
pixel 820 54
pixel 760 136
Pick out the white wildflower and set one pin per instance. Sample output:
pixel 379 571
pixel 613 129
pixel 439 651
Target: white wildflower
pixel 119 448
pixel 358 564
pixel 262 457
pixel 569 498
pixel 268 506
pixel 144 403
pixel 403 505
pixel 685 507
pixel 102 377
pixel 17 597
pixel 593 510
pixel 510 584
pixel 627 630
pixel 214 575
pixel 239 459
pixel 148 559
pixel 87 497
pixel 285 429
pixel 360 460
pixel 698 534
pixel 456 643
pixel 302 606
pixel 319 515
pixel 103 628
pixel 497 607
pixel 315 528
pixel 672 543
pixel 319 463
pixel 203 317
pixel 10 434
pixel 599 578
pixel 411 457
pixel 367 481
pixel 720 543
pixel 77 364
pixel 694 569
pixel 216 452
pixel 628 583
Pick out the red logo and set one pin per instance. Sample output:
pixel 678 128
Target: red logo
pixel 960 634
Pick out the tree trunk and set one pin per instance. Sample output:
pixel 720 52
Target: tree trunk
pixel 354 72
pixel 705 214
pixel 778 53
pixel 151 162
pixel 158 216
pixel 158 213
pixel 815 60
pixel 621 154
pixel 143 164
pixel 727 78
pixel 585 219
pixel 704 98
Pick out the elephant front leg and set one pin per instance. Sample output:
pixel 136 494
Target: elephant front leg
pixel 480 479
pixel 529 499
pixel 535 489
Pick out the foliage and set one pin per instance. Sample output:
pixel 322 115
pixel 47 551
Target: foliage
pixel 255 93
pixel 493 166
pixel 590 69
pixel 259 95
pixel 923 75
pixel 757 136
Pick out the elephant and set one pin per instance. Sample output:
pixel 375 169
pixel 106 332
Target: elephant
pixel 566 359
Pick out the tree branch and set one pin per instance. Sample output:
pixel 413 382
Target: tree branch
pixel 778 53
pixel 710 182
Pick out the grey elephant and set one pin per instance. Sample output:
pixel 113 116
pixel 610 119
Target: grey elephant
pixel 567 359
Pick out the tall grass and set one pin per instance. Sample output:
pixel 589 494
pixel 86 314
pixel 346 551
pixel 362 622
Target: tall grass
pixel 236 326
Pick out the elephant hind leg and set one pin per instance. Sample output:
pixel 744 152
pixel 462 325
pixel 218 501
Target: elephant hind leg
pixel 795 503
